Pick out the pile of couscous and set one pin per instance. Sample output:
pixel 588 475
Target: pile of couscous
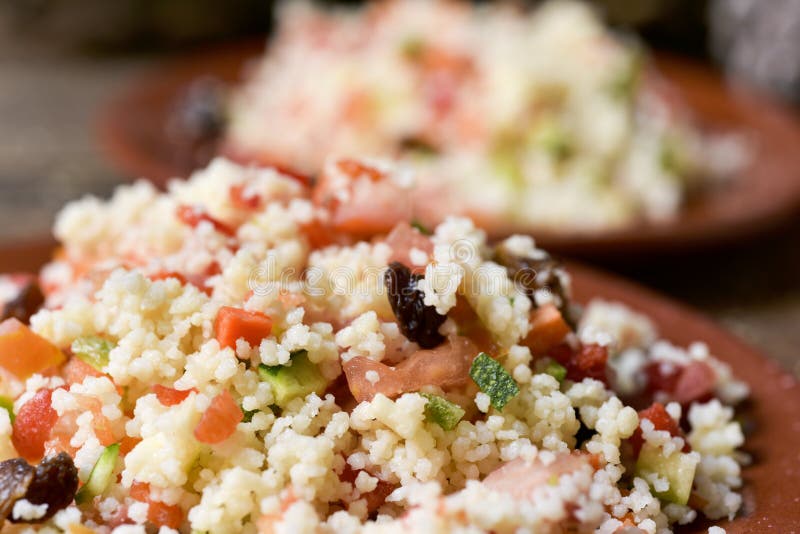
pixel 529 119
pixel 216 359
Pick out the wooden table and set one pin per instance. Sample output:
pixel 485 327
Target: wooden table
pixel 48 98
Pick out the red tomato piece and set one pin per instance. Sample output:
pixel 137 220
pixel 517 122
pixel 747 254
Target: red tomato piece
pixel 33 424
pixel 76 370
pixel 234 323
pixel 244 199
pixel 589 361
pixel 402 239
pixel 169 396
pixel 219 421
pixel 661 420
pixel 194 215
pixel 374 498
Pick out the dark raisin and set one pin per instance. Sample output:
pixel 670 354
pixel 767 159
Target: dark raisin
pixel 584 433
pixel 25 300
pixel 417 321
pixel 197 122
pixel 16 476
pixel 55 481
pixel 531 275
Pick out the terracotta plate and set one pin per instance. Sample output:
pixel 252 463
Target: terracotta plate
pixel 133 134
pixel 771 483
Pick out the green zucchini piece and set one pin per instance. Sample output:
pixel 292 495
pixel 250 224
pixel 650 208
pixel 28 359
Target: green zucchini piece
pixel 493 380
pixel 291 381
pixel 678 468
pixel 93 350
pixel 100 477
pixel 441 411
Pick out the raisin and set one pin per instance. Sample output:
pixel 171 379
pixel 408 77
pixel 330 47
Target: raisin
pixel 25 300
pixel 417 321
pixel 53 482
pixel 531 275
pixel 16 476
pixel 197 121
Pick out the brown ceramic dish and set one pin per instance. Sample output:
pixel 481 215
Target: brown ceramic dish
pixel 771 483
pixel 132 130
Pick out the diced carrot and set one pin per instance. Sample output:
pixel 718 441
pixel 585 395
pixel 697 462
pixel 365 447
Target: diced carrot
pixel 165 515
pixel 548 329
pixel 169 396
pixel 661 420
pixel 23 353
pixel 140 491
pixel 219 421
pixel 76 370
pixel 33 424
pixel 194 215
pixel 235 323
pixel 127 444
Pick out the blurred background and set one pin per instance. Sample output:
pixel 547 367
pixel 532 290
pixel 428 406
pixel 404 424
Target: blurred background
pixel 61 60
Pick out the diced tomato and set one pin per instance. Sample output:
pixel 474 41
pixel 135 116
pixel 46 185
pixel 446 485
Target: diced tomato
pixel 661 420
pixel 235 323
pixel 683 384
pixel 445 366
pixel 375 498
pixel 360 199
pixel 695 384
pixel 519 478
pixel 158 513
pixel 194 215
pixel 548 329
pixel 76 370
pixel 33 424
pixel 244 199
pixel 319 234
pixel 402 239
pixel 23 353
pixel 164 275
pixel 169 396
pixel 588 361
pixel 219 421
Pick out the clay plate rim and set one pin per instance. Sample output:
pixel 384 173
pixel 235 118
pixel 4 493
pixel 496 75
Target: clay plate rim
pixel 770 491
pixel 130 129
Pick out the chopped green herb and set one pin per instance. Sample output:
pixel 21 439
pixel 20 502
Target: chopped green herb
pixel 100 476
pixel 441 411
pixel 93 350
pixel 493 380
pixel 556 370
pixel 248 415
pixel 421 228
pixel 8 405
pixel 291 381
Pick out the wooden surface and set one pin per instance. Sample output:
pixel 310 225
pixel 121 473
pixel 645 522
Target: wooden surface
pixel 48 154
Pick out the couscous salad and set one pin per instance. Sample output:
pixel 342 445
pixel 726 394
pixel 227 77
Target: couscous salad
pixel 217 359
